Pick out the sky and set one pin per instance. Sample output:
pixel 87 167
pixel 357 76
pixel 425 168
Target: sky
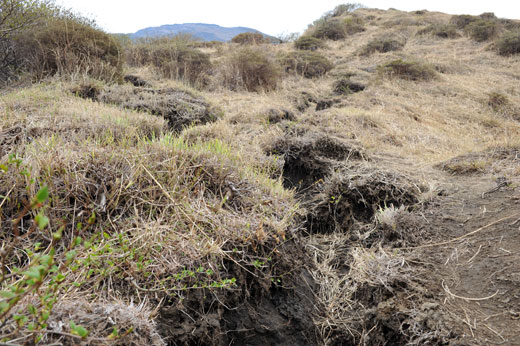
pixel 273 17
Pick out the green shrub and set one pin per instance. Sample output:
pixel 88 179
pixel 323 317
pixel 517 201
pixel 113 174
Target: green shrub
pixel 382 44
pixel 247 38
pixel 407 70
pixel 252 70
pixel 509 43
pixel 337 28
pixel 70 46
pixel 463 20
pixel 308 43
pixel 482 29
pixel 440 30
pixel 305 63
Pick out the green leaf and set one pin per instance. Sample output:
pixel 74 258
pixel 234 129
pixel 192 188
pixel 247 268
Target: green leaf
pixel 92 219
pixel 41 220
pixel 106 235
pixel 34 272
pixel 4 168
pixel 42 195
pixel 78 330
pixel 7 294
pixel 70 255
pixel 32 309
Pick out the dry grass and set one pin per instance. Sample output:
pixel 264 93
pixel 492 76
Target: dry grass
pixel 152 192
pixel 205 196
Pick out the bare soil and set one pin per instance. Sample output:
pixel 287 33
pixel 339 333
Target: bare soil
pixel 474 270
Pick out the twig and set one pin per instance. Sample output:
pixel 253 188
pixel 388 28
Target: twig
pixel 466 298
pixel 475 255
pixel 462 236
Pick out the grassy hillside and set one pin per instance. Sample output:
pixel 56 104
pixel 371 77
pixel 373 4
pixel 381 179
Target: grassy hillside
pixel 351 187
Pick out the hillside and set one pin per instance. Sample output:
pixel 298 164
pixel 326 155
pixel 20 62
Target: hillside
pixel 204 32
pixel 358 186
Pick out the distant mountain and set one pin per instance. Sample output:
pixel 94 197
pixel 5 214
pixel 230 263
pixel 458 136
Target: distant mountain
pixel 205 32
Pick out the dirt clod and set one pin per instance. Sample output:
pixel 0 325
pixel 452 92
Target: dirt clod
pixel 275 116
pixel 355 195
pixel 310 156
pixel 136 81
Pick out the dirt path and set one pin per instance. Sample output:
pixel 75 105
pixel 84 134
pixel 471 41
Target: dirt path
pixel 477 277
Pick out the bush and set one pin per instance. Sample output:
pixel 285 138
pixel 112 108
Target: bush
pixel 307 64
pixel 250 69
pixel 382 44
pixel 509 43
pixel 463 20
pixel 408 70
pixel 488 15
pixel 70 46
pixel 337 28
pixel 440 30
pixel 173 58
pixel 15 18
pixel 308 43
pixel 43 40
pixel 482 29
pixel 247 38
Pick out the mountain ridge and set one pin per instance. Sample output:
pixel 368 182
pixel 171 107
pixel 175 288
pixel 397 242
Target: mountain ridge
pixel 203 31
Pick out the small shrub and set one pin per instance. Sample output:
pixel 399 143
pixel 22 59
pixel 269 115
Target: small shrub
pixel 337 28
pixel 440 30
pixel 382 44
pixel 172 58
pixel 248 38
pixel 250 69
pixel 345 86
pixel 307 64
pixel 497 101
pixel 462 21
pixel 509 43
pixel 482 30
pixel 408 70
pixel 308 43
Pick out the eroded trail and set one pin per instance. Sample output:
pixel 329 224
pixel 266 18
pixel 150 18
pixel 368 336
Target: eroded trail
pixel 440 268
pixel 478 275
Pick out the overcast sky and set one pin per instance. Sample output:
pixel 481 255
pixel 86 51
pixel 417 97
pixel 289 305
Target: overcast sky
pixel 269 16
